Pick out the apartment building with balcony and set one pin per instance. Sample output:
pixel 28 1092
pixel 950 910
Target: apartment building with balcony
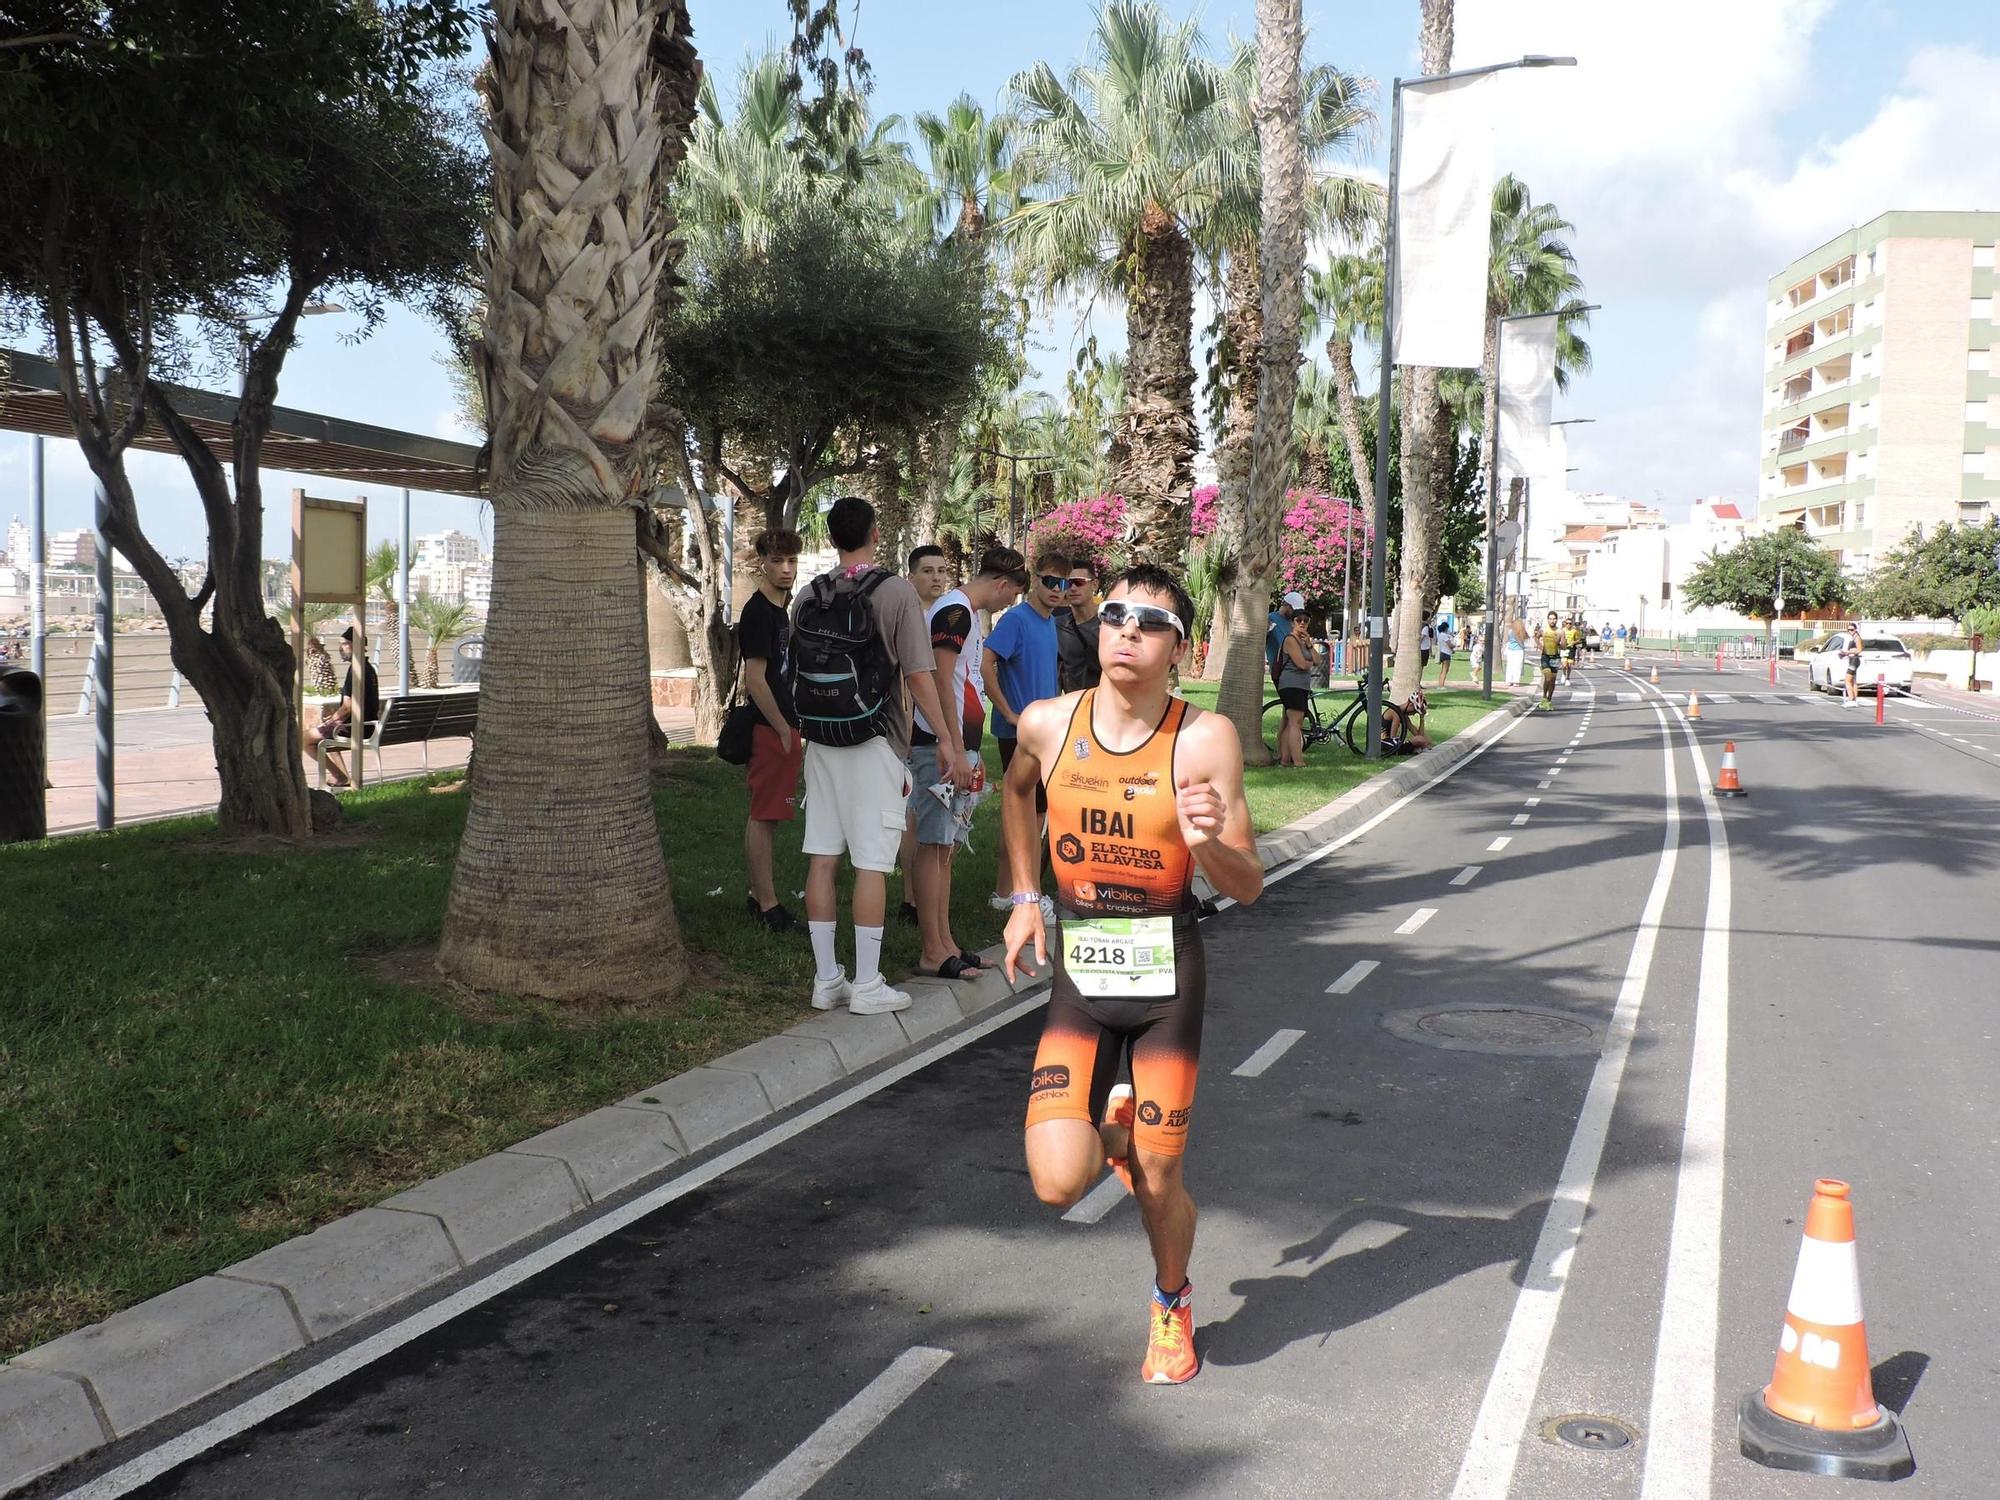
pixel 1881 391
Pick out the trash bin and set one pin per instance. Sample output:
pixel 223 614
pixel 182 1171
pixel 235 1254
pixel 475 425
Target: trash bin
pixel 466 659
pixel 24 807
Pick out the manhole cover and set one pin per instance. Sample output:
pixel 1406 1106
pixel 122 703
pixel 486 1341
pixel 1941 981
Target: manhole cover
pixel 1505 1030
pixel 1593 1434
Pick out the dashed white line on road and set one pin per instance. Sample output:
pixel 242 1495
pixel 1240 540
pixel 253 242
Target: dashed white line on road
pixel 1487 1472
pixel 1554 770
pixel 1498 844
pixel 1254 1065
pixel 844 1431
pixel 1098 1202
pixel 1416 919
pixel 1721 698
pixel 1521 818
pixel 1356 972
pixel 1532 802
pixel 1541 786
pixel 1466 876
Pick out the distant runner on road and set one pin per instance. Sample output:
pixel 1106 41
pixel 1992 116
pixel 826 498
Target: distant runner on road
pixel 1142 787
pixel 1550 639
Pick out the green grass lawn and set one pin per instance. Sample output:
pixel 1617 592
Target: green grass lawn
pixel 204 1051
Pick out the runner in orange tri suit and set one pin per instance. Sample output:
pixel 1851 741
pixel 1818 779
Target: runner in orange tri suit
pixel 1142 788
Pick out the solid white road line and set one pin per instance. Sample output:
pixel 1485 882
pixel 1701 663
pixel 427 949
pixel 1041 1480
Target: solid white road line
pixel 1356 972
pixel 1256 1063
pixel 1466 876
pixel 1681 1428
pixel 266 1404
pixel 1416 919
pixel 1098 1202
pixel 1488 1470
pixel 1498 844
pixel 843 1432
pixel 1520 818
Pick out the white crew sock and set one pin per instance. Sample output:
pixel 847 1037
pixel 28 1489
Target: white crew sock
pixel 867 954
pixel 822 941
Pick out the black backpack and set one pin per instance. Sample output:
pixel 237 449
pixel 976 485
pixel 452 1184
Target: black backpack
pixel 840 676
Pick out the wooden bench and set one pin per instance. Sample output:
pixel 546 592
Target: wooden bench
pixel 415 720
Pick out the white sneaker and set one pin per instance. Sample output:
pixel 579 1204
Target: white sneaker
pixel 1048 909
pixel 999 903
pixel 827 993
pixel 873 997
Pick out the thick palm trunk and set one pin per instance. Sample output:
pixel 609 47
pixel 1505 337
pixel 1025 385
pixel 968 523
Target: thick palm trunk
pixel 1280 41
pixel 389 656
pixel 560 873
pixel 561 889
pixel 1156 432
pixel 1243 322
pixel 1347 397
pixel 892 511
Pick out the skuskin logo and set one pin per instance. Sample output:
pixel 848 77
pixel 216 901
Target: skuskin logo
pixel 1050 1079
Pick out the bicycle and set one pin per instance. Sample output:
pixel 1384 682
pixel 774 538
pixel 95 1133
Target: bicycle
pixel 1351 722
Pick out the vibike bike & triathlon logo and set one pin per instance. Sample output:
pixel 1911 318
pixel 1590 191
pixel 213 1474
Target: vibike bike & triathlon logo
pixel 1052 1078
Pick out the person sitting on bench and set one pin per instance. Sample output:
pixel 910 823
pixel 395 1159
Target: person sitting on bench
pixel 339 725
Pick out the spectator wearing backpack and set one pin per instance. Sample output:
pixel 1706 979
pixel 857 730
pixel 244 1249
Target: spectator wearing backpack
pixel 777 753
pixel 857 632
pixel 1021 665
pixel 956 642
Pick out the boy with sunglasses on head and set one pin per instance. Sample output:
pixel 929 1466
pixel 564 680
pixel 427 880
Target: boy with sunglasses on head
pixel 1142 788
pixel 1020 665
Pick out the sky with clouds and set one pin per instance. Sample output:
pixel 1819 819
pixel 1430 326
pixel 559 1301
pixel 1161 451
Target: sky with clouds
pixel 1697 148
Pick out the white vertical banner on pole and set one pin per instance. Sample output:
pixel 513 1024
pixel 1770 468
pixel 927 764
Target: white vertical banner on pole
pixel 1527 394
pixel 1444 216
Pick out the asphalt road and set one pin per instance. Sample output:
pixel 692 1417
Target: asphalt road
pixel 1412 1256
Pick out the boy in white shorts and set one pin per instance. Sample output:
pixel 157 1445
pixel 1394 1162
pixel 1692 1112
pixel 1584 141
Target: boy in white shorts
pixel 857 747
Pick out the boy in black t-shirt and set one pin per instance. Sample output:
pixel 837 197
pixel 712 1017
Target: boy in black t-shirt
pixel 777 753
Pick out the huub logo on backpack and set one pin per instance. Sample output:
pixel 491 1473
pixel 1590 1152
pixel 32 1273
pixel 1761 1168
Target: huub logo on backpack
pixel 841 678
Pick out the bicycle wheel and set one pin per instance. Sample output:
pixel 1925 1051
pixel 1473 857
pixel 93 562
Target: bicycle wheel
pixel 1394 729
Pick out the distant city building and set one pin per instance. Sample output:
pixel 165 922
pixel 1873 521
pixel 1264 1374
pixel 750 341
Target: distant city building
pixel 73 549
pixel 20 543
pixel 1882 399
pixel 439 565
pixel 476 588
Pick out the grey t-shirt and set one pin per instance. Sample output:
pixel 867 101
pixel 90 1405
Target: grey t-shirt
pixel 899 620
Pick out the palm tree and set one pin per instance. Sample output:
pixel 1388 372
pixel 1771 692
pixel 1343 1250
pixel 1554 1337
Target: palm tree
pixel 442 622
pixel 1119 162
pixel 1428 446
pixel 1346 300
pixel 1281 249
pixel 320 675
pixel 383 566
pixel 560 888
pixel 970 158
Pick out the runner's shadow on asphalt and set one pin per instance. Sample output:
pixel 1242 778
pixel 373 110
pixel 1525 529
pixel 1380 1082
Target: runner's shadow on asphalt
pixel 1340 1291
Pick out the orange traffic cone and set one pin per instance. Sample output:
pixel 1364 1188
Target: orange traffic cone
pixel 1818 1415
pixel 1726 782
pixel 1694 706
pixel 1656 674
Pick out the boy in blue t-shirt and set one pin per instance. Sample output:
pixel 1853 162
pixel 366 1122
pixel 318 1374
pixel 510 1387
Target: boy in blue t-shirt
pixel 1020 663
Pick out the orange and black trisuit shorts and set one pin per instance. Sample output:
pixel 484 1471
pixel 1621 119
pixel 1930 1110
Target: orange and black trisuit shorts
pixel 1087 1042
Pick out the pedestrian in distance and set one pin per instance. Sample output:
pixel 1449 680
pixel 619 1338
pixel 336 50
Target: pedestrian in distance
pixel 929 570
pixel 857 632
pixel 1021 664
pixel 777 753
pixel 1280 626
pixel 1447 642
pixel 1426 644
pixel 1295 664
pixel 364 707
pixel 1076 629
pixel 1850 651
pixel 1550 642
pixel 938 751
pixel 1144 788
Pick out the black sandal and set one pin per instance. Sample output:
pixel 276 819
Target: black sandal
pixel 972 960
pixel 956 967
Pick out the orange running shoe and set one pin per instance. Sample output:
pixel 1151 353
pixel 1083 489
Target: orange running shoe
pixel 1170 1354
pixel 1118 1110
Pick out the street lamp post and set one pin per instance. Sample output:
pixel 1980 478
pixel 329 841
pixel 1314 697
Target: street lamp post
pixel 1378 581
pixel 1013 462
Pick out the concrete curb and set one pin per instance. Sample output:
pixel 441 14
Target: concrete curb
pixel 61 1400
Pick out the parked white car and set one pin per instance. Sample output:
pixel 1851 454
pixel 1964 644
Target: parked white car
pixel 1882 656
